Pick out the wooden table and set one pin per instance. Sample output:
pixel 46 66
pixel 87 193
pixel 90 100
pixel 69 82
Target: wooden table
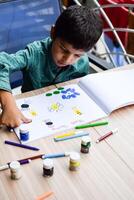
pixel 107 172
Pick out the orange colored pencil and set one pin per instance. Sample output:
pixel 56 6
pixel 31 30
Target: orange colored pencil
pixel 44 196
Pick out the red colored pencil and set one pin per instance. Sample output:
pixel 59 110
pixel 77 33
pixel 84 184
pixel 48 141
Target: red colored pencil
pixel 32 157
pixel 106 135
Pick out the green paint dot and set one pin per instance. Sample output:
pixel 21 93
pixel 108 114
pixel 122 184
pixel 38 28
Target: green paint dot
pixel 49 94
pixel 61 88
pixel 56 92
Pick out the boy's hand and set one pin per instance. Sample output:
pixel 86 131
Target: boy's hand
pixel 11 116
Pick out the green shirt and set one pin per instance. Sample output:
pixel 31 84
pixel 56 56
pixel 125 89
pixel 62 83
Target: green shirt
pixel 38 67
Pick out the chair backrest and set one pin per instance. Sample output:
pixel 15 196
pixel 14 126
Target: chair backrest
pixel 115 15
pixel 130 36
pixel 117 12
pixel 24 21
pixel 119 19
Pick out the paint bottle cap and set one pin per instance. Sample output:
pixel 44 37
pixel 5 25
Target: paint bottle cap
pixel 47 163
pixel 85 140
pixel 24 105
pixel 14 166
pixel 67 153
pixel 74 156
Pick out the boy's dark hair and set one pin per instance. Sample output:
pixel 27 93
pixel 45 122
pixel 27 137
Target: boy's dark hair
pixel 80 26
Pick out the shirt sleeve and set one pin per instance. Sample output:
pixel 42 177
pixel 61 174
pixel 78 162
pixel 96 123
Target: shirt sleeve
pixel 14 62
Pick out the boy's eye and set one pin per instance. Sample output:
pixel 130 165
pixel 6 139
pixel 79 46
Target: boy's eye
pixel 77 56
pixel 64 50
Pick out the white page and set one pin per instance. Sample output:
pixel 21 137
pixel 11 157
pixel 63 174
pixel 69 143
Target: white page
pixel 63 113
pixel 110 90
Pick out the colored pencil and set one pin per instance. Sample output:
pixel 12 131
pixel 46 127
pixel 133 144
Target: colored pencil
pixel 106 135
pixel 22 162
pixel 71 137
pixel 32 157
pixel 69 133
pixel 6 166
pixel 21 145
pixel 91 125
pixel 56 155
pixel 44 196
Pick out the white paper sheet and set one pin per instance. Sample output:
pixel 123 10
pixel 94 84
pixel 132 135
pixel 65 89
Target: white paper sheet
pixel 110 90
pixel 63 113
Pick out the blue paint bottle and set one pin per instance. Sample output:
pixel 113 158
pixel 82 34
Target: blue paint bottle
pixel 24 133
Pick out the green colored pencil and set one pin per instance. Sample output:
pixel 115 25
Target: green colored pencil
pixel 91 125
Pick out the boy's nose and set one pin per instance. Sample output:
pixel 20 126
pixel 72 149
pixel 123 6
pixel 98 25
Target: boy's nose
pixel 68 59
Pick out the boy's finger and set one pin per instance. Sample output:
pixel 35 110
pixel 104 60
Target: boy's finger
pixel 26 120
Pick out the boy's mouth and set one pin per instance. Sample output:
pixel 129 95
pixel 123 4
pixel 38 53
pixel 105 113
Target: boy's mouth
pixel 60 64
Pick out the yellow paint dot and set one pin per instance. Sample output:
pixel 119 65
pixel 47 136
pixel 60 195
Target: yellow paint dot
pixel 77 111
pixel 33 113
pixel 55 106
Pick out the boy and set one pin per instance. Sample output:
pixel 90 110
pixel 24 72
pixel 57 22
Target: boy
pixel 59 58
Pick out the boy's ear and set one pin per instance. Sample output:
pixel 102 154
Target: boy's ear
pixel 52 32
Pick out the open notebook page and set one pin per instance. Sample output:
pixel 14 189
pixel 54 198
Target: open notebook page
pixel 110 90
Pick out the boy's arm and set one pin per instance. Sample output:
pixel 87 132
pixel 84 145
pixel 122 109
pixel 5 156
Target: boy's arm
pixel 11 116
pixel 10 63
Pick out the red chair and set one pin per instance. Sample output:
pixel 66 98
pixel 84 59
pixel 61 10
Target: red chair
pixel 119 17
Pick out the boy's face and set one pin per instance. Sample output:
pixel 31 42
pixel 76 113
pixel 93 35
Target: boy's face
pixel 64 54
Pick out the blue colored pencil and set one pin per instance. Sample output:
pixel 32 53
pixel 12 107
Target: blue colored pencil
pixel 21 145
pixel 55 155
pixel 71 137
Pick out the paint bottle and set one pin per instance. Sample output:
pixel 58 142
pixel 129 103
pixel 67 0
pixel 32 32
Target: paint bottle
pixel 48 167
pixel 85 144
pixel 15 170
pixel 24 133
pixel 74 161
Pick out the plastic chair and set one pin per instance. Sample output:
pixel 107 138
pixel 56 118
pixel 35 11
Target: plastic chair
pixel 24 21
pixel 116 21
pixel 120 22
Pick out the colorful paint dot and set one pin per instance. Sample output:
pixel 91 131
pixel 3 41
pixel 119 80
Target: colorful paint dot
pixel 56 92
pixel 77 111
pixel 33 113
pixel 69 93
pixel 61 88
pixel 49 123
pixel 49 94
pixel 55 106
